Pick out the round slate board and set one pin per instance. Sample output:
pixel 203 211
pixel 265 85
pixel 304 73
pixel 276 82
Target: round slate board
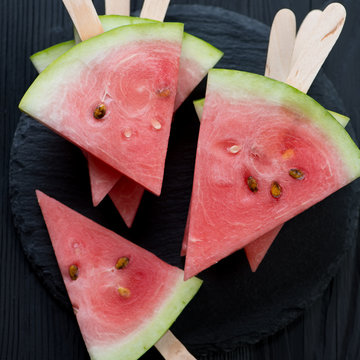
pixel 234 305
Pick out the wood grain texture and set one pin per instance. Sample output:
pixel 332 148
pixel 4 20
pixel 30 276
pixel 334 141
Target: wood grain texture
pixel 154 9
pixel 84 17
pixel 28 315
pixel 117 7
pixel 281 45
pixel 316 49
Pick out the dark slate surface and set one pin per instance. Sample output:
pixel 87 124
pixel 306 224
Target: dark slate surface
pixel 36 327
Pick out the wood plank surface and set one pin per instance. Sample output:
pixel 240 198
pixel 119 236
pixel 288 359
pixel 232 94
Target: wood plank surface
pixel 32 325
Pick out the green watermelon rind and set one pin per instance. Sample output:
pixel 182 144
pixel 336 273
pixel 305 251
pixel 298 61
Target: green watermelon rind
pixel 43 58
pixel 240 85
pixel 193 47
pixel 201 51
pixel 135 347
pixel 199 107
pixel 343 120
pixel 85 51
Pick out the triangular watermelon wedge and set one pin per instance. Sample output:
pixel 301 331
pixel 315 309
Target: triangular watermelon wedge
pixel 256 250
pixel 124 297
pixel 102 178
pixel 126 196
pixel 196 59
pixel 113 96
pixel 266 152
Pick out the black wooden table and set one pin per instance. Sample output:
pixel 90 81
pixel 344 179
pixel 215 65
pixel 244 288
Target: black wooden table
pixel 33 325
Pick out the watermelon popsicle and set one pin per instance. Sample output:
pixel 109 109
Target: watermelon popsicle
pixel 305 84
pixel 93 123
pixel 284 47
pixel 255 180
pixel 124 297
pixel 197 57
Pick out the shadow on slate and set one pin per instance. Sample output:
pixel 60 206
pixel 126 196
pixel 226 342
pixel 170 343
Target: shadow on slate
pixel 234 306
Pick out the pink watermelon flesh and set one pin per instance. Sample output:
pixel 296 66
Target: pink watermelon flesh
pixel 253 126
pixel 111 322
pixel 126 196
pixel 128 77
pixel 256 250
pixel 102 178
pixel 190 74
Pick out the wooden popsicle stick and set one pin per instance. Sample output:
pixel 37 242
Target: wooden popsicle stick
pixel 172 349
pixel 84 17
pixel 154 9
pixel 316 50
pixel 117 7
pixel 305 32
pixel 281 45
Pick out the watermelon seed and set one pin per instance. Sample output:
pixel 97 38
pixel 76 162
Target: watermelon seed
pixel 164 92
pixel 127 133
pixel 75 309
pixel 234 149
pixel 296 174
pixel 275 190
pixel 100 111
pixel 156 124
pixel 73 272
pixel 124 292
pixel 252 184
pixel 122 263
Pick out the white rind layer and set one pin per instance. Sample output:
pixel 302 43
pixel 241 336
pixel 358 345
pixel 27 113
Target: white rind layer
pixel 42 59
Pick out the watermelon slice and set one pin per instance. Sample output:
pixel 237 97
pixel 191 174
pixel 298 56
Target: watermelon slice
pixel 42 59
pixel 266 152
pixel 257 249
pixel 124 297
pixel 106 96
pixel 197 58
pixel 102 178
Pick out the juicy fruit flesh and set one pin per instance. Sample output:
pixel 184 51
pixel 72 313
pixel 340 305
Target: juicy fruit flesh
pixel 113 304
pixel 267 154
pixel 102 178
pixel 126 196
pixel 257 249
pixel 272 139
